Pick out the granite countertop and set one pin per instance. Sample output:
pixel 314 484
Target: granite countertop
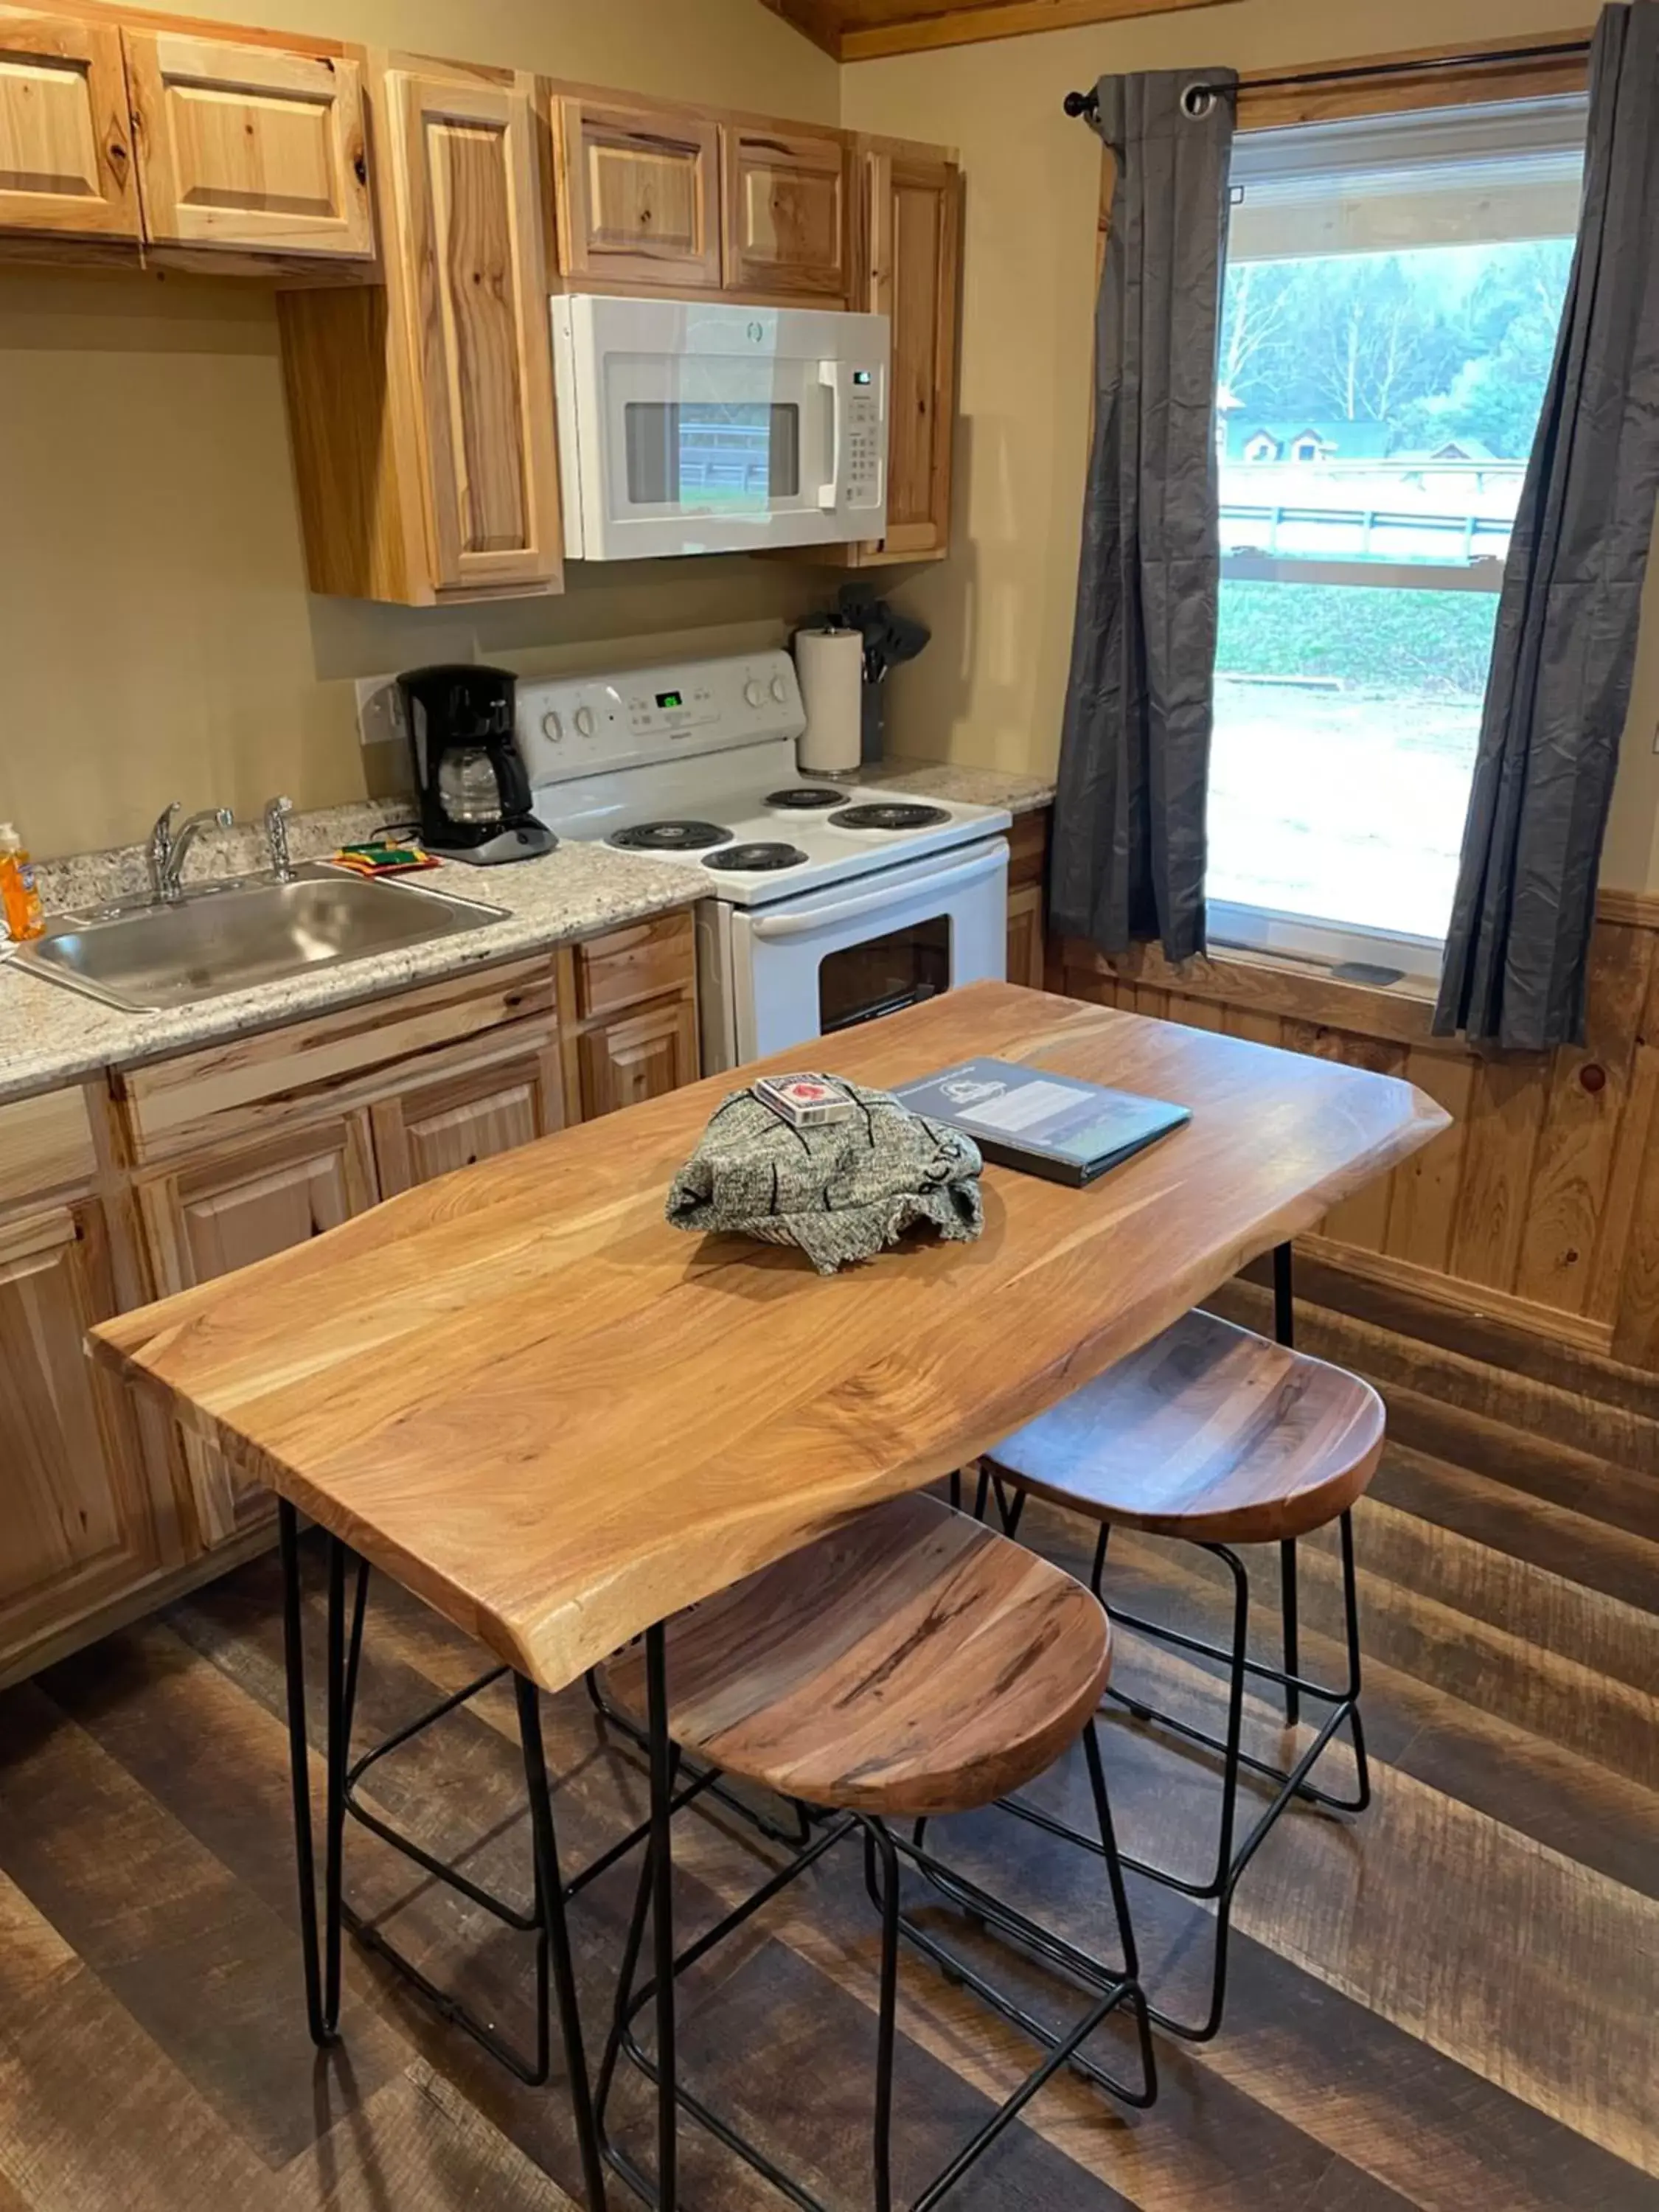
pixel 969 786
pixel 50 1034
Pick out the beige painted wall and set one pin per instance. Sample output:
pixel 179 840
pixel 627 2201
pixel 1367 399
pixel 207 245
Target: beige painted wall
pixel 156 638
pixel 992 686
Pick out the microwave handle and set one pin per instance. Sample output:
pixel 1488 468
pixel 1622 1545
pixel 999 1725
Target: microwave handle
pixel 771 925
pixel 830 376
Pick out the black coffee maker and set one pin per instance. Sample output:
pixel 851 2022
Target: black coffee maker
pixel 474 793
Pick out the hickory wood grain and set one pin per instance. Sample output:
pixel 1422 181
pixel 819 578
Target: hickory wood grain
pixel 559 1420
pixel 914 1662
pixel 1209 1432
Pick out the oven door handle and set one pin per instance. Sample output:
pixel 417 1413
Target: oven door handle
pixel 771 925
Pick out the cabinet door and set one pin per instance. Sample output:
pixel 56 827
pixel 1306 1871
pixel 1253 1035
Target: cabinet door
pixel 475 284
pixel 82 1523
pixel 1025 936
pixel 639 199
pixel 249 147
pixel 462 1119
pixel 223 1210
pixel 66 151
pixel 640 1057
pixel 912 210
pixel 785 200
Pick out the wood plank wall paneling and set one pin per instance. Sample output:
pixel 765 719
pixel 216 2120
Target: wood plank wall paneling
pixel 1539 1207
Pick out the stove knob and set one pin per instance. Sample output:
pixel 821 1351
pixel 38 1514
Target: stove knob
pixel 780 690
pixel 552 727
pixel 584 721
pixel 753 692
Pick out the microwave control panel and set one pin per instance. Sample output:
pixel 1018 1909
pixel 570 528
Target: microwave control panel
pixel 585 725
pixel 861 396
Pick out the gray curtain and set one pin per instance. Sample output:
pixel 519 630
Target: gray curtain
pixel 1128 850
pixel 1556 699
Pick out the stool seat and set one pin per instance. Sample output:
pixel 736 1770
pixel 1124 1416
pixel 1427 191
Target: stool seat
pixel 912 1662
pixel 1208 1432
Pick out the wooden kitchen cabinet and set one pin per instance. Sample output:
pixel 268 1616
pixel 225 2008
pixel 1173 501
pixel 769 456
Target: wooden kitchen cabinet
pixel 1028 898
pixel 639 1056
pixel 434 1128
pixel 84 1520
pixel 786 213
pixel 259 147
pixel 638 195
pixel 910 271
pixel 66 166
pixel 223 1209
pixel 423 414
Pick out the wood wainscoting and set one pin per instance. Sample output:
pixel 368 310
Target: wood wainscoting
pixel 1531 1227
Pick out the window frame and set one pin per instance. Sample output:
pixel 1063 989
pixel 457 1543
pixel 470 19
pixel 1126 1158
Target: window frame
pixel 1277 933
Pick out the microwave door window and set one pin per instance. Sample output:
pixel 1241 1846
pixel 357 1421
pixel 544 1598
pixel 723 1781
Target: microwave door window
pixel 711 456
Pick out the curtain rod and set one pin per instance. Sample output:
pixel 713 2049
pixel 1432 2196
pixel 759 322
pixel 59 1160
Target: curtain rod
pixel 1087 103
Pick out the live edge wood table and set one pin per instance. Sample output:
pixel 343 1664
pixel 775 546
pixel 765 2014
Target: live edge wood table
pixel 558 1420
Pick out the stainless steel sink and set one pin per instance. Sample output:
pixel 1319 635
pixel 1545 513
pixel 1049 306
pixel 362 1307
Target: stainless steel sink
pixel 234 936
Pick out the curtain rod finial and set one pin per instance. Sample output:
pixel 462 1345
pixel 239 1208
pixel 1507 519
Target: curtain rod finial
pixel 1081 103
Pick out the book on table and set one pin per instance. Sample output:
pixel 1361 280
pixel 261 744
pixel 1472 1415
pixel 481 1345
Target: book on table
pixel 1049 1125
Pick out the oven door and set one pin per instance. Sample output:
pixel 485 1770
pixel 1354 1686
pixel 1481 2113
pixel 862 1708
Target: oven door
pixel 699 427
pixel 834 958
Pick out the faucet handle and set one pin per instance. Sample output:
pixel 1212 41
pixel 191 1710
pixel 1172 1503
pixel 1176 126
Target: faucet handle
pixel 276 813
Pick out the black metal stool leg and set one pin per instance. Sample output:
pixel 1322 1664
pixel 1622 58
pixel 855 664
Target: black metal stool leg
pixel 322 2023
pixel 550 1890
pixel 1284 1332
pixel 878 1841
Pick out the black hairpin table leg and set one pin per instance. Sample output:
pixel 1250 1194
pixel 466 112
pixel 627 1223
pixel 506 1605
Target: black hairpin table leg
pixel 662 1915
pixel 322 1988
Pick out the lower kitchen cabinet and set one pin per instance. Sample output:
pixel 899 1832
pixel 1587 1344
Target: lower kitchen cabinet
pixel 84 1520
pixel 223 1209
pixel 1025 936
pixel 641 1056
pixel 434 1127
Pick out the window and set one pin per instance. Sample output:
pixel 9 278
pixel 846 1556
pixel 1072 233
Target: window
pixel 1395 287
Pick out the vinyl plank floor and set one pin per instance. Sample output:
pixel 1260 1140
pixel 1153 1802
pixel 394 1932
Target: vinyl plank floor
pixel 1449 2004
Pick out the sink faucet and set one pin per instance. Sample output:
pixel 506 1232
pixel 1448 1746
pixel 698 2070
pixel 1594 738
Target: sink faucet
pixel 276 813
pixel 169 846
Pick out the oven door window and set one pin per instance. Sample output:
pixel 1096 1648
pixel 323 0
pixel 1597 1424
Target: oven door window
pixel 885 973
pixel 718 457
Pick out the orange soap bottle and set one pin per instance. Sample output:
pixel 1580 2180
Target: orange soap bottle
pixel 19 902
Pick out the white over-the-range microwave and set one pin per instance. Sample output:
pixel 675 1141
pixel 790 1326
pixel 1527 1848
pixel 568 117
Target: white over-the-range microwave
pixel 696 426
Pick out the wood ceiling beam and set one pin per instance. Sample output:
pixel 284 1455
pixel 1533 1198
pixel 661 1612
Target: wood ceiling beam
pixel 843 27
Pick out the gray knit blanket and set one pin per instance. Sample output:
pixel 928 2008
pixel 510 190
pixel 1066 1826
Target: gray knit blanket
pixel 841 1192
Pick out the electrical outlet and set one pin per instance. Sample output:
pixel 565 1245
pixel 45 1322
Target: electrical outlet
pixel 381 717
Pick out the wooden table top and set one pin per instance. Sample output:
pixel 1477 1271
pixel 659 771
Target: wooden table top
pixel 557 1419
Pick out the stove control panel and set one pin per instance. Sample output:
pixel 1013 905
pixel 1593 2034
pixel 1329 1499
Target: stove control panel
pixel 588 725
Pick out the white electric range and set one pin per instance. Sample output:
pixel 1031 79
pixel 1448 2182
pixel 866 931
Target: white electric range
pixel 827 903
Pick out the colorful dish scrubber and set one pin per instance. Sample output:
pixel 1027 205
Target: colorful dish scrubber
pixel 382 860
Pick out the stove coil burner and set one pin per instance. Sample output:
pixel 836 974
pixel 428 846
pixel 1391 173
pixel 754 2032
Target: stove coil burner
pixel 805 798
pixel 754 858
pixel 671 837
pixel 889 814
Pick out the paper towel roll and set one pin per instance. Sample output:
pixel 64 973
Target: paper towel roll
pixel 830 665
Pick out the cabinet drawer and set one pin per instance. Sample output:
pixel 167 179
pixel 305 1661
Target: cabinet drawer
pixel 265 1083
pixel 45 1143
pixel 640 961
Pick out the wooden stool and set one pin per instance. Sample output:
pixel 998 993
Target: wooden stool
pixel 915 1662
pixel 1221 1437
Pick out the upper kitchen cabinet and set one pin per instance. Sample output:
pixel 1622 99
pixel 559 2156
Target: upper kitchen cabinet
pixel 65 139
pixel 910 257
pixel 638 195
pixel 787 210
pixel 258 148
pixel 423 414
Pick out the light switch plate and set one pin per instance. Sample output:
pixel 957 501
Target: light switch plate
pixel 381 717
